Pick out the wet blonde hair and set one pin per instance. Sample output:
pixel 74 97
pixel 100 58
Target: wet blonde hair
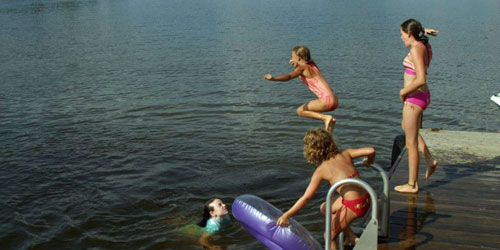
pixel 319 146
pixel 303 53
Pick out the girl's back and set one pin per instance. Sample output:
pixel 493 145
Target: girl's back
pixel 341 167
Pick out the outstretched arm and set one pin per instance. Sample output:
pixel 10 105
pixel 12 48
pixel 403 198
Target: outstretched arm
pixel 286 77
pixel 302 201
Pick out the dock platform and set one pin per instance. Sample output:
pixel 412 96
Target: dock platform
pixel 459 207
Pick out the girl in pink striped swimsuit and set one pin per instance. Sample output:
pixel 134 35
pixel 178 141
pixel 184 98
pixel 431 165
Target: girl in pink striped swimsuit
pixel 416 97
pixel 308 72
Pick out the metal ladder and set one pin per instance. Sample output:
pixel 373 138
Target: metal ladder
pixel 371 232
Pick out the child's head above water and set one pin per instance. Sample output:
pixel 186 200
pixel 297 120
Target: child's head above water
pixel 319 146
pixel 213 208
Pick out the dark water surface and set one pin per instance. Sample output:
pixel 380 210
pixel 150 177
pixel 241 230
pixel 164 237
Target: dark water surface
pixel 120 118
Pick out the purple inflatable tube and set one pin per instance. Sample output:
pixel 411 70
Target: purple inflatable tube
pixel 259 218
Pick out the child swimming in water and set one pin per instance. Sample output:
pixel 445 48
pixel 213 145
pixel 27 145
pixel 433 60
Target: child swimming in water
pixel 334 165
pixel 215 216
pixel 308 72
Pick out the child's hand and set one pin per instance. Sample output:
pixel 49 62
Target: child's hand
pixel 268 76
pixel 365 162
pixel 283 221
pixel 402 95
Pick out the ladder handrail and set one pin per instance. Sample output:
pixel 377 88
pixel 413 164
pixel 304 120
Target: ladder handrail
pixel 384 220
pixel 328 219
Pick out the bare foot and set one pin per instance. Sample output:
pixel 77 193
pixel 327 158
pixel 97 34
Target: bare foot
pixel 430 169
pixel 329 123
pixel 351 242
pixel 407 188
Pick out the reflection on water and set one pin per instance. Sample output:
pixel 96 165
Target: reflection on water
pixel 210 242
pixel 415 221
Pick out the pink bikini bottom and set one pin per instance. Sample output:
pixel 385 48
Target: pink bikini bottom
pixel 422 99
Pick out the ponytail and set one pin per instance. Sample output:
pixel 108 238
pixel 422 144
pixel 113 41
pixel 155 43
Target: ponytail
pixel 303 53
pixel 414 27
pixel 206 213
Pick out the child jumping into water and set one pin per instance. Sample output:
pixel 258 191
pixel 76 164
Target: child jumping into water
pixel 334 165
pixel 308 72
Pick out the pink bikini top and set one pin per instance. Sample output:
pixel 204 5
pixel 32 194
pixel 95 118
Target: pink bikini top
pixel 408 64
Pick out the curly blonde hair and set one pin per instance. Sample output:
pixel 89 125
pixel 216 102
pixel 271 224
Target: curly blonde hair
pixel 319 146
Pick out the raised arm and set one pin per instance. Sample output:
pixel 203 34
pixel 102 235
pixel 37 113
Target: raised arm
pixel 431 32
pixel 286 77
pixel 302 201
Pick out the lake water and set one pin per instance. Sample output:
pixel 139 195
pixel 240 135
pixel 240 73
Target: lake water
pixel 120 118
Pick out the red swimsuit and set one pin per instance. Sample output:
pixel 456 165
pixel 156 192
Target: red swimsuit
pixel 359 206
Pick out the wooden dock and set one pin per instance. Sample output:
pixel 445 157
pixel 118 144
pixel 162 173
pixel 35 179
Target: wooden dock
pixel 459 207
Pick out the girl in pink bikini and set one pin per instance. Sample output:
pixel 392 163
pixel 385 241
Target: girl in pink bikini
pixel 308 72
pixel 416 98
pixel 334 165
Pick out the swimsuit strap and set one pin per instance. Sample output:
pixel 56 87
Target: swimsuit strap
pixel 341 220
pixel 314 68
pixel 428 49
pixel 353 174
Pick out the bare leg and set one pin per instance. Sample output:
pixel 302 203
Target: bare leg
pixel 336 205
pixel 313 109
pixel 431 162
pixel 411 119
pixel 341 223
